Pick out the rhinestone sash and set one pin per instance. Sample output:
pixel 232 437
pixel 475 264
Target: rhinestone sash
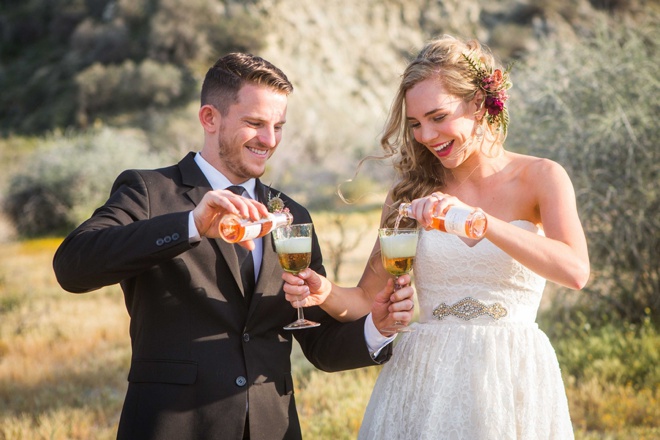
pixel 470 308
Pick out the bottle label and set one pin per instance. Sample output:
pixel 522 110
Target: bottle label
pixel 252 231
pixel 455 220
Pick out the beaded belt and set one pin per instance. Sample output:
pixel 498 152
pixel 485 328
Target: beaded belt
pixel 470 308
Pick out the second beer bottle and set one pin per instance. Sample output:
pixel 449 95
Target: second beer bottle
pixel 455 220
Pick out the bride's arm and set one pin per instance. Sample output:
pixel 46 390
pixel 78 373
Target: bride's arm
pixel 561 256
pixel 344 303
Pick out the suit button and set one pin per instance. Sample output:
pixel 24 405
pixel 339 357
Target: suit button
pixel 175 236
pixel 160 242
pixel 246 337
pixel 167 239
pixel 241 381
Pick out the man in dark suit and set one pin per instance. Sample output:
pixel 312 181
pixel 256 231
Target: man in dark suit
pixel 210 357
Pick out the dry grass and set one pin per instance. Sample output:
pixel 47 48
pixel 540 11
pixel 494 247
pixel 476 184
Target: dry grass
pixel 64 360
pixel 331 405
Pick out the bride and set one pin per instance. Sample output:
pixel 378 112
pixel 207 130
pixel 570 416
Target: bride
pixel 476 366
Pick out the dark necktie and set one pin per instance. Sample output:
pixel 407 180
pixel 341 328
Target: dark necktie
pixel 244 258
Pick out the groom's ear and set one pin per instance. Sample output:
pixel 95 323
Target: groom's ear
pixel 209 117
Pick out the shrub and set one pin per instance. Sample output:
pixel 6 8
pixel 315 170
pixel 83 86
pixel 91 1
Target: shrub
pixel 69 176
pixel 617 353
pixel 57 55
pixel 611 375
pixel 194 30
pixel 592 110
pixel 104 88
pixel 101 42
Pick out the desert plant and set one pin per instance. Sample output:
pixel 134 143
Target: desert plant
pixel 69 176
pixel 56 54
pixel 616 353
pixel 129 86
pixel 592 110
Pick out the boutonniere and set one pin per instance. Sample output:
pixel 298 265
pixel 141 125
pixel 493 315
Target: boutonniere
pixel 276 204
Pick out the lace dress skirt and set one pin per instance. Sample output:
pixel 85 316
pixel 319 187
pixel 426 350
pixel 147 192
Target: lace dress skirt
pixel 464 381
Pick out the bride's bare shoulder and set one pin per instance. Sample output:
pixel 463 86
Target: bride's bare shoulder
pixel 531 168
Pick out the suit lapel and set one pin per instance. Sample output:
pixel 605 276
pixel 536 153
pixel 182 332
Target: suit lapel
pixel 192 177
pixel 270 273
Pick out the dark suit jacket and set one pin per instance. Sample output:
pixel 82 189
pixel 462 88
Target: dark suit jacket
pixel 200 355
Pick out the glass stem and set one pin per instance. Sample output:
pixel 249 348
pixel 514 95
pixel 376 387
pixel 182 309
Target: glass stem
pixel 301 316
pixel 397 286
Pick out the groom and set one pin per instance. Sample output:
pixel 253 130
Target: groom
pixel 210 359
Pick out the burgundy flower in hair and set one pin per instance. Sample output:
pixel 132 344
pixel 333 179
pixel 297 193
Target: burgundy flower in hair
pixel 494 105
pixel 494 84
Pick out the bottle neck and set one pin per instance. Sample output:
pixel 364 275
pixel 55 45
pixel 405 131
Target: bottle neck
pixel 405 210
pixel 282 218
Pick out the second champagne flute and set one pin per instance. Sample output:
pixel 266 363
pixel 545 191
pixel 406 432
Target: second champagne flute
pixel 293 244
pixel 397 249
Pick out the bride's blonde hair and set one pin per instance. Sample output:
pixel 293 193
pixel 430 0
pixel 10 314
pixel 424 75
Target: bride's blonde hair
pixel 419 172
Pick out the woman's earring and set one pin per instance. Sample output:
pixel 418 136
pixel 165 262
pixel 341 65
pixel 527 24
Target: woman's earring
pixel 479 131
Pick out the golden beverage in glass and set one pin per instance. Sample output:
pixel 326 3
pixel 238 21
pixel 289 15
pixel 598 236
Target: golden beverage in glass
pixel 293 244
pixel 295 254
pixel 398 266
pixel 397 249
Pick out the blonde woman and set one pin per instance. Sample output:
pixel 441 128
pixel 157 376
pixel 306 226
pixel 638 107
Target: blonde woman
pixel 476 366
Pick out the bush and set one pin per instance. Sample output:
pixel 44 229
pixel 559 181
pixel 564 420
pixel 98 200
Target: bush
pixel 611 375
pixel 592 110
pixel 101 42
pixel 617 353
pixel 128 86
pixel 199 30
pixel 68 177
pixel 57 55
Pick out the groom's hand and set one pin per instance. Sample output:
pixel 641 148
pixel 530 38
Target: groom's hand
pixel 392 306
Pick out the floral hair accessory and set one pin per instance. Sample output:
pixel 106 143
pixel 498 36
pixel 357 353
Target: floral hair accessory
pixel 494 84
pixel 276 204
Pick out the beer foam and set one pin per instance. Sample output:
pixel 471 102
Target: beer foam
pixel 294 245
pixel 399 246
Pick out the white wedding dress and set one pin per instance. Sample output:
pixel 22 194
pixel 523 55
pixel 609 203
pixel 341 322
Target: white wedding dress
pixel 478 368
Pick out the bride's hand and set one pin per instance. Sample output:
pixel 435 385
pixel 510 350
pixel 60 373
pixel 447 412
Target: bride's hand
pixel 306 289
pixel 434 205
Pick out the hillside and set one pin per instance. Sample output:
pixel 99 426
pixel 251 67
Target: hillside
pixel 119 61
pixel 345 58
pixel 136 66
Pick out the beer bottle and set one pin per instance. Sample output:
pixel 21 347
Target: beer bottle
pixel 455 220
pixel 234 228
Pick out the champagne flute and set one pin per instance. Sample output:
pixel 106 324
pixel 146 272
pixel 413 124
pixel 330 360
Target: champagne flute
pixel 293 244
pixel 397 249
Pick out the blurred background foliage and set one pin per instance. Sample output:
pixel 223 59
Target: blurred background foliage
pixel 594 110
pixel 91 87
pixel 67 62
